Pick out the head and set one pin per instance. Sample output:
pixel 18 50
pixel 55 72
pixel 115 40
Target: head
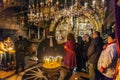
pixel 79 39
pixel 96 34
pixel 7 38
pixel 71 37
pixel 20 37
pixel 111 38
pixel 86 37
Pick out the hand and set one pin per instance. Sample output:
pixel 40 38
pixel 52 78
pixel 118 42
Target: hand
pixel 102 69
pixel 104 46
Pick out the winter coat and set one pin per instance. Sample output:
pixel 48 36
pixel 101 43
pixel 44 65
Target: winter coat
pixel 85 49
pixel 94 50
pixel 108 60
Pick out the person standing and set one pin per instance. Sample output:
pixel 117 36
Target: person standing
pixel 9 45
pixel 21 48
pixel 3 50
pixel 79 51
pixel 93 54
pixel 108 59
pixel 70 56
pixel 87 41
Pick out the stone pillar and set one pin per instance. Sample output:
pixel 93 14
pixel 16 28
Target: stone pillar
pixel 29 33
pixel 38 33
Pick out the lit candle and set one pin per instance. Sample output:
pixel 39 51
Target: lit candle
pixel 93 3
pixel 56 60
pixel 85 4
pixel 103 1
pixel 76 78
pixel 48 60
pixel 44 59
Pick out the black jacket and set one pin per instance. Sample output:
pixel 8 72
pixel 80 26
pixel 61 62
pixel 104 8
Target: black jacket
pixel 95 49
pixel 85 49
pixel 21 51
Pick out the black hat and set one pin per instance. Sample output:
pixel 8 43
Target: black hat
pixel 112 35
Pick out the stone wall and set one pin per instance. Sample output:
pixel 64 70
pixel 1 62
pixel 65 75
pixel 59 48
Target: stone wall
pixel 13 29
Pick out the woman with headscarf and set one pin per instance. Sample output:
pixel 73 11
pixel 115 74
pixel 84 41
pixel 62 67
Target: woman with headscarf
pixel 70 56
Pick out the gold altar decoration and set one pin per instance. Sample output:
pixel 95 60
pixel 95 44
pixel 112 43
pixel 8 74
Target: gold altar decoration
pixel 50 10
pixel 51 62
pixel 95 13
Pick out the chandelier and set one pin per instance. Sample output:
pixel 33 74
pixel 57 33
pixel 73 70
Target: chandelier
pixel 42 11
pixel 51 10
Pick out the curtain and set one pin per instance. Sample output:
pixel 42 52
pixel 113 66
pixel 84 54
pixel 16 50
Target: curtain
pixel 117 16
pixel 117 31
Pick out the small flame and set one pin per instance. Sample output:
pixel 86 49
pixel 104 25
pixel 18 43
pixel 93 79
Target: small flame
pixel 51 62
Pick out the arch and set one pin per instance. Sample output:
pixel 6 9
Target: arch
pixel 97 24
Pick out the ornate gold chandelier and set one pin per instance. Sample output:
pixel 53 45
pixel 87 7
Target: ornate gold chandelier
pixel 42 11
pixel 94 9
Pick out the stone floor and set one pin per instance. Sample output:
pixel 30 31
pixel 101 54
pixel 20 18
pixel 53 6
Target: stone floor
pixel 11 76
pixel 19 76
pixel 5 75
pixel 64 73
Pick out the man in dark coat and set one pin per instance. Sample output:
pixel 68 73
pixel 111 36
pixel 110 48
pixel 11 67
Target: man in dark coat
pixel 93 54
pixel 87 41
pixel 21 49
pixel 79 51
